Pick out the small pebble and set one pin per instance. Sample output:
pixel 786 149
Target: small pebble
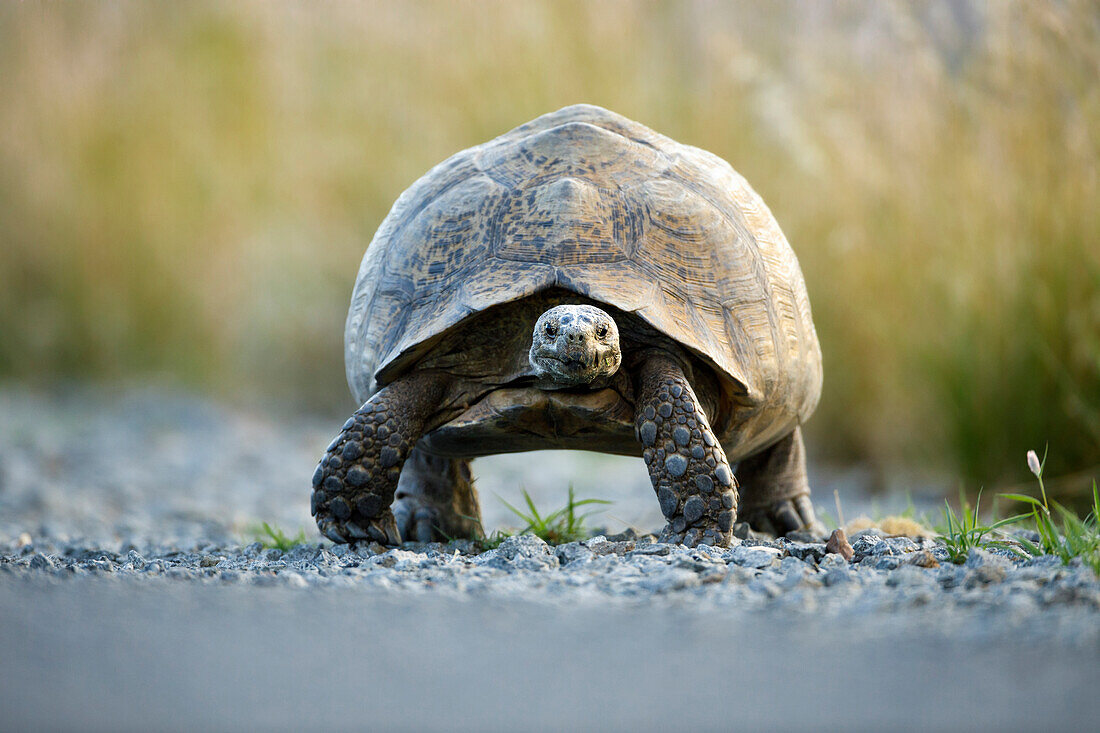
pixel 838 544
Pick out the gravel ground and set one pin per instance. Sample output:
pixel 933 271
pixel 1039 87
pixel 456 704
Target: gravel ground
pixel 131 597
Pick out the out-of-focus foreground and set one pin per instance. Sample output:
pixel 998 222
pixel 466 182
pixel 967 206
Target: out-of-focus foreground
pixel 186 190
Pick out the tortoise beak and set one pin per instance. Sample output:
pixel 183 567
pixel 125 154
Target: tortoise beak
pixel 575 354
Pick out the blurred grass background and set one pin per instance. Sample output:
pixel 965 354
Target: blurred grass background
pixel 186 189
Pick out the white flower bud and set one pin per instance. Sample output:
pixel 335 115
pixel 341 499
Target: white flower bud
pixel 1033 463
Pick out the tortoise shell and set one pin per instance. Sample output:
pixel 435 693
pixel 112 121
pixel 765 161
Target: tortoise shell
pixel 585 200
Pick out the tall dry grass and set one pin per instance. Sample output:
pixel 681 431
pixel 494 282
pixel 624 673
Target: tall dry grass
pixel 187 189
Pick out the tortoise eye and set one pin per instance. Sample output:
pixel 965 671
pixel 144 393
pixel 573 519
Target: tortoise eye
pixel 601 330
pixel 550 329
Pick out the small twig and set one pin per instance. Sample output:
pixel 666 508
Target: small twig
pixel 839 511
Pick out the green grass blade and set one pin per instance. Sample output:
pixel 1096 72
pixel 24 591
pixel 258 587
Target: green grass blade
pixel 534 511
pixel 1024 498
pixel 517 512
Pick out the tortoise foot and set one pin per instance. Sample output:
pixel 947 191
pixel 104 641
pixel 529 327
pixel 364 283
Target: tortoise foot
pixel 785 515
pixel 695 536
pixel 354 483
pixel 381 529
pixel 416 519
pixel 436 499
pixel 775 490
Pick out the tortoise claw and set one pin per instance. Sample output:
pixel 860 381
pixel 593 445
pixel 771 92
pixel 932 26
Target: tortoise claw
pixel 416 520
pixel 383 530
pixel 784 516
pixel 356 532
pixel 329 529
pixel 423 524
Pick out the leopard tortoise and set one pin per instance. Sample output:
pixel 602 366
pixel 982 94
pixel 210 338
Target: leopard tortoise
pixel 579 282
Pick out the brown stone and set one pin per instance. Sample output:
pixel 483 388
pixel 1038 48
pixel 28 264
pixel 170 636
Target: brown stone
pixel 838 544
pixel 923 559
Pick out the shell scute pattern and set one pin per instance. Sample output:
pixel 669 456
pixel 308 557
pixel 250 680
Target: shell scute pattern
pixel 567 222
pixel 589 201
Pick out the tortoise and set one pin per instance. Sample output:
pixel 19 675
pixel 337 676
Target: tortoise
pixel 579 282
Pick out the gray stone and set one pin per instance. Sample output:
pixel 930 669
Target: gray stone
pixel 753 557
pixel 985 575
pixel 574 552
pixel 832 561
pixel 528 552
pixel 809 552
pixel 977 558
pixel 669 580
pixel 1044 561
pixel 901 545
pixel 885 562
pixel 940 553
pixel 883 548
pixel 40 562
pixel 867 544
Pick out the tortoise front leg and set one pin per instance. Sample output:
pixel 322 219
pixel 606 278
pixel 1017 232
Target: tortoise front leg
pixel 688 468
pixel 354 483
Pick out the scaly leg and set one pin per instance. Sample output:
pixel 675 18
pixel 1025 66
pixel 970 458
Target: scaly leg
pixel 688 468
pixel 436 499
pixel 775 492
pixel 354 484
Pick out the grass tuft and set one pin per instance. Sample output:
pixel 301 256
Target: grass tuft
pixel 274 537
pixel 1075 538
pixel 962 532
pixel 558 527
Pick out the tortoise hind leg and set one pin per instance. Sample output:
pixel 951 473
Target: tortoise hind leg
pixel 436 499
pixel 687 466
pixel 775 491
pixel 354 484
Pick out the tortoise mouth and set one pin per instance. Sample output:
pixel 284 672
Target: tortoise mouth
pixel 567 369
pixel 569 362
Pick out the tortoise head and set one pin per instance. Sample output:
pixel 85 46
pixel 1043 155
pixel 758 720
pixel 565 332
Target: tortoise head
pixel 574 345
